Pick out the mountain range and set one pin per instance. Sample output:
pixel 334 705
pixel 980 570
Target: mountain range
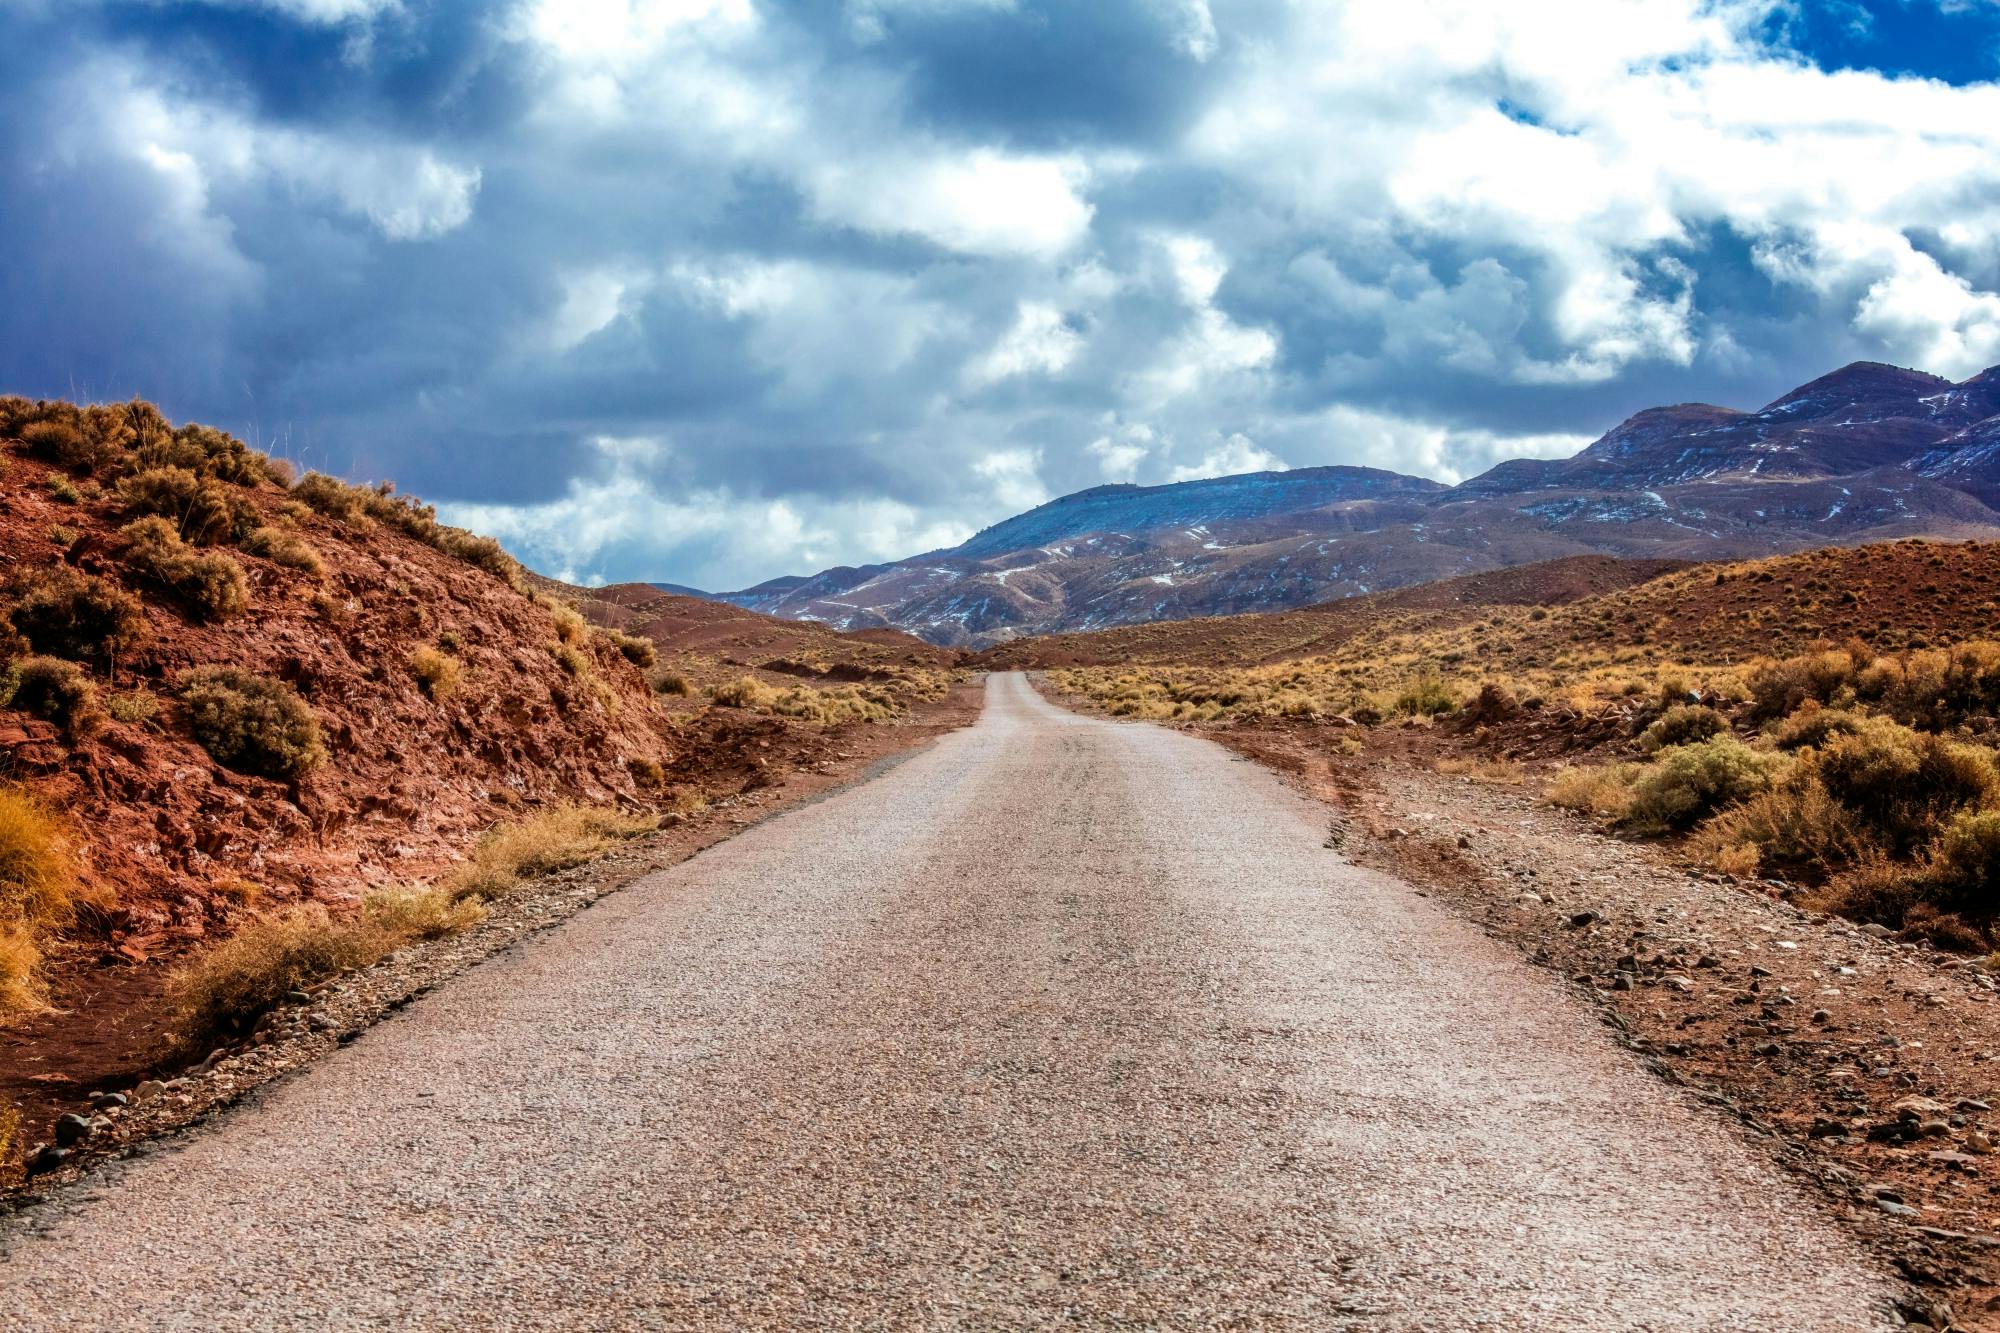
pixel 1867 453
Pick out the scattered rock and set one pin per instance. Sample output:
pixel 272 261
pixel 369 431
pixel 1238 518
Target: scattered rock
pixel 1578 920
pixel 71 1130
pixel 105 1101
pixel 48 1159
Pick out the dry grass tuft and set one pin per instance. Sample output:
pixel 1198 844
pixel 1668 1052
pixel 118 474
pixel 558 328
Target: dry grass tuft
pixel 1602 791
pixel 285 548
pixel 437 672
pixel 38 892
pixel 547 841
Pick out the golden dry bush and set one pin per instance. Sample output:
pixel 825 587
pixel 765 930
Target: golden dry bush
pixel 285 548
pixel 437 672
pixel 1603 791
pixel 219 992
pixel 209 584
pixel 549 840
pixel 38 892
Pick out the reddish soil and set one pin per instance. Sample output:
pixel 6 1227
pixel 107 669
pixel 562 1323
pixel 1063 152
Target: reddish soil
pixel 731 636
pixel 105 1034
pixel 408 780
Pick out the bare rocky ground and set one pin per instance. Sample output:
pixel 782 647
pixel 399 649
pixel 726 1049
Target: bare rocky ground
pixel 117 1120
pixel 1868 1067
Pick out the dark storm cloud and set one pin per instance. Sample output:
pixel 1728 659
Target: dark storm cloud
pixel 708 289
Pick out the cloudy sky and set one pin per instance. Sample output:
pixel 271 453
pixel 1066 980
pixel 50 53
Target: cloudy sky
pixel 713 290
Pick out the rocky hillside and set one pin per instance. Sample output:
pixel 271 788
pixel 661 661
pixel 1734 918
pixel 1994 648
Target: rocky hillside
pixel 1868 453
pixel 228 691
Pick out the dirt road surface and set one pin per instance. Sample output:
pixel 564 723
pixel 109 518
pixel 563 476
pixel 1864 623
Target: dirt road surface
pixel 1061 1020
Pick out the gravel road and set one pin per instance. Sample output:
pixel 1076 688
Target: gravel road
pixel 1059 1021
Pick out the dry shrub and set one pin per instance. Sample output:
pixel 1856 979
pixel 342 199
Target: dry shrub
pixel 222 990
pixel 640 652
pixel 135 708
pixel 1796 828
pixel 200 509
pixel 65 613
pixel 55 691
pixel 10 1133
pixel 1814 726
pixel 646 772
pixel 1778 688
pixel 571 628
pixel 209 584
pixel 1426 695
pixel 37 893
pixel 252 724
pixel 60 442
pixel 674 683
pixel 206 452
pixel 1683 724
pixel 284 548
pixel 405 914
pixel 334 498
pixel 743 692
pixel 829 707
pixel 1603 791
pixel 1744 860
pixel 571 659
pixel 1494 703
pixel 437 672
pixel 1903 785
pixel 1687 783
pixel 547 841
pixel 364 506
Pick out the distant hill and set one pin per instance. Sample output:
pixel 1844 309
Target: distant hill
pixel 1891 595
pixel 1868 453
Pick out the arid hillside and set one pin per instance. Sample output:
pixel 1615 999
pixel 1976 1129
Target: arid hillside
pixel 257 731
pixel 699 630
pixel 237 690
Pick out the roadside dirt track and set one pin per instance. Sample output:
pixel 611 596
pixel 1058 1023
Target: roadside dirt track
pixel 1060 1020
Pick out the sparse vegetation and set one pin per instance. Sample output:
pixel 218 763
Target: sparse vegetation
pixel 1684 724
pixel 542 843
pixel 37 893
pixel 136 708
pixel 251 723
pixel 437 672
pixel 223 990
pixel 828 707
pixel 199 510
pixel 364 506
pixel 210 584
pixel 55 691
pixel 286 548
pixel 1687 783
pixel 63 612
pixel 639 652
